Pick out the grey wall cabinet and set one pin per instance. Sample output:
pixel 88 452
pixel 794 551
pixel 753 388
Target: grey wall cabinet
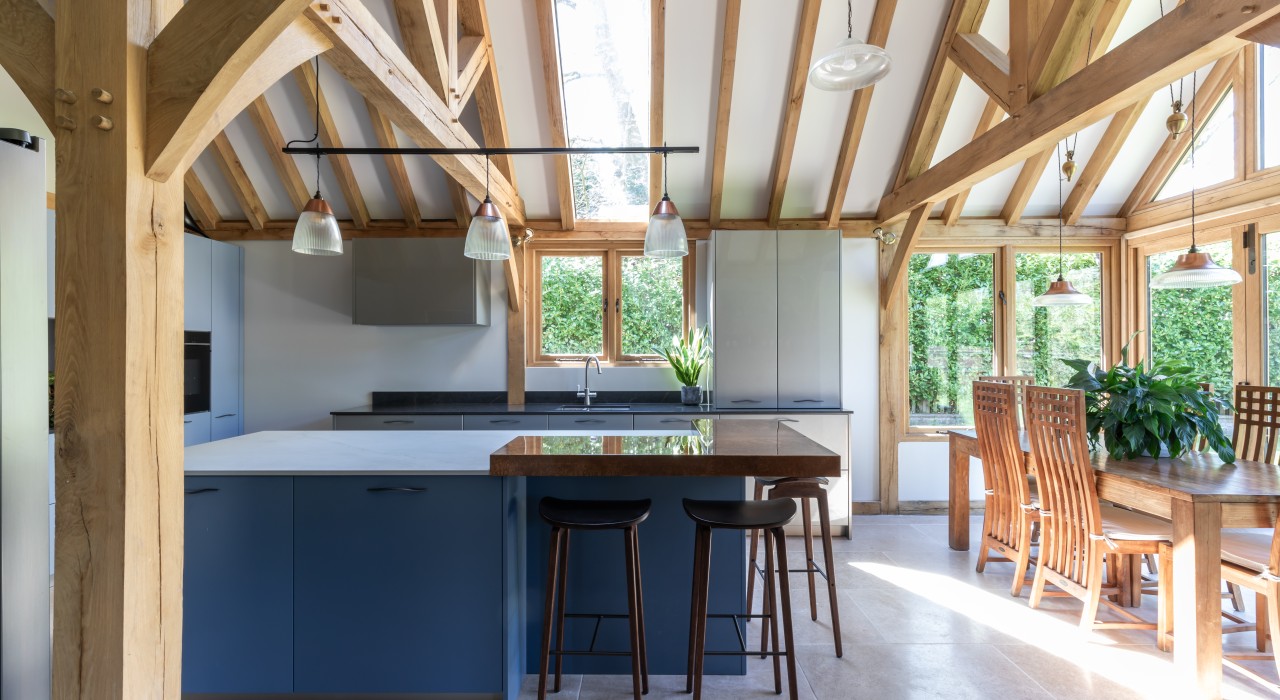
pixel 226 403
pixel 594 421
pixel 745 319
pixel 197 284
pixel 418 282
pixel 195 428
pixel 503 421
pixel 776 319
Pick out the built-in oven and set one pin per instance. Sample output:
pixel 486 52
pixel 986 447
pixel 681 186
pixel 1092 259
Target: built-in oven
pixel 196 371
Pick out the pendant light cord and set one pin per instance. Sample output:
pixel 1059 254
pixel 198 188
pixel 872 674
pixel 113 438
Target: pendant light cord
pixel 850 15
pixel 1175 102
pixel 1058 152
pixel 1193 161
pixel 664 171
pixel 316 136
pixel 486 178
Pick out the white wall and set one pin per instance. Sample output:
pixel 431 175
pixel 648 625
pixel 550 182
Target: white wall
pixel 16 112
pixel 860 360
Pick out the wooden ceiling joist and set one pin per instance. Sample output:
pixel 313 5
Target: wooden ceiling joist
pixel 1058 51
pixel 555 109
pixel 305 76
pixel 473 68
pixel 657 91
pixel 1267 33
pixel 199 202
pixel 285 166
pixel 1020 194
pixel 991 115
pixel 724 103
pixel 939 92
pixel 1171 151
pixel 224 155
pixel 878 35
pixel 26 53
pixel 1188 37
pixel 424 44
pixel 208 63
pixel 474 19
pixel 805 34
pixel 1099 161
pixel 386 137
pixel 985 64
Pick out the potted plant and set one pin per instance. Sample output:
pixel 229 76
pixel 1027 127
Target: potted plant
pixel 1137 410
pixel 688 357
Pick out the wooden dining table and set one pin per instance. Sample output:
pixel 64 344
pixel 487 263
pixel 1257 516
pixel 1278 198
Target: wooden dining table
pixel 1200 494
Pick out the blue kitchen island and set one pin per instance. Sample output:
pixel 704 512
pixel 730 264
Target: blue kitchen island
pixel 413 563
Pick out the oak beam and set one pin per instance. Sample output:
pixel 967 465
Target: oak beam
pixel 516 345
pixel 197 199
pixel 305 76
pixel 1104 154
pixel 420 30
pixel 805 34
pixel 386 138
pixel 117 622
pixel 1267 33
pixel 986 65
pixel 1056 55
pixel 1020 194
pixel 26 53
pixel 954 207
pixel 555 109
pixel 878 35
pixel 1188 37
pixel 901 253
pixel 285 166
pixel 209 63
pixel 473 59
pixel 224 155
pixel 724 103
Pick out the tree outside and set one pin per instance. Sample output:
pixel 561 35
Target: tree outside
pixel 1194 325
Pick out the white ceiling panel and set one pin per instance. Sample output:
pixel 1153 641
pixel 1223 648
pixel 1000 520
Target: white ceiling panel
pixel 253 155
pixel 296 121
pixel 957 130
pixel 987 197
pixel 1044 198
pixel 217 187
pixel 694 40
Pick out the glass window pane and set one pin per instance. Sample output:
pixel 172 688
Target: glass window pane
pixel 1193 325
pixel 604 66
pixel 1048 335
pixel 1269 104
pixel 572 305
pixel 1215 153
pixel 652 302
pixel 950 334
pixel 1271 291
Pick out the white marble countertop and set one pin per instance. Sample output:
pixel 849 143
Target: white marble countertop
pixel 342 452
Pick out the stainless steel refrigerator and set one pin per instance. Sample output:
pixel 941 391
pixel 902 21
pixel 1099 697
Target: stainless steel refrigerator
pixel 24 444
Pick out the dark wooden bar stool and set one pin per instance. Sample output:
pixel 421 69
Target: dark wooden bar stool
pixel 769 516
pixel 804 489
pixel 564 516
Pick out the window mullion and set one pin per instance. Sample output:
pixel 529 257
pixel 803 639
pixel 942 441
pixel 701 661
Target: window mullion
pixel 613 304
pixel 1006 336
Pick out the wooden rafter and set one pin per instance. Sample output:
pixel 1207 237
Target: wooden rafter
pixel 555 109
pixel 1058 51
pixel 939 92
pixel 461 205
pixel 907 240
pixel 419 24
pixel 1098 162
pixel 987 65
pixel 224 154
pixel 657 91
pixel 305 76
pixel 1020 194
pixel 878 35
pixel 1267 33
pixel 805 34
pixel 285 166
pixel 1170 153
pixel 1025 21
pixel 991 115
pixel 472 70
pixel 386 137
pixel 208 63
pixel 488 94
pixel 200 203
pixel 26 53
pixel 724 103
pixel 1189 36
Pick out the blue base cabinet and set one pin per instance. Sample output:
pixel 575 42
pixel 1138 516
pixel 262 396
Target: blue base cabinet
pixel 398 585
pixel 237 631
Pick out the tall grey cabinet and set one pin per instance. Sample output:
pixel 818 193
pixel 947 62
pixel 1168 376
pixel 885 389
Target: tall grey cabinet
pixel 214 302
pixel 776 319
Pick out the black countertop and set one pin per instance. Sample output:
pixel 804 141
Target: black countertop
pixel 540 403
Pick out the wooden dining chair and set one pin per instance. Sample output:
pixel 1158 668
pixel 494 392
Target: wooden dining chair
pixel 1251 560
pixel 1080 535
pixel 1019 381
pixel 1010 512
pixel 1257 418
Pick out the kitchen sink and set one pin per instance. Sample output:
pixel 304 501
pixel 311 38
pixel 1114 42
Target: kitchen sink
pixel 596 407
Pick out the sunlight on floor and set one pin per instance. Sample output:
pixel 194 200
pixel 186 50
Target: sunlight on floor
pixel 1151 674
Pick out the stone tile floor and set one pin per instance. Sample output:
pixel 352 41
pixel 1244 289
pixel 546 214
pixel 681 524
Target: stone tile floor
pixel 919 622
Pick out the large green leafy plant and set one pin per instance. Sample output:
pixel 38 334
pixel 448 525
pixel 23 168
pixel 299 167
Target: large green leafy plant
pixel 1137 410
pixel 688 356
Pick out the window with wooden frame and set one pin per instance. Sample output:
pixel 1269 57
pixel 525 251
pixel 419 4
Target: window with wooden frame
pixel 970 312
pixel 606 300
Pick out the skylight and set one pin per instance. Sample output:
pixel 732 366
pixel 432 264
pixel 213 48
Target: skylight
pixel 1269 104
pixel 1215 153
pixel 604 68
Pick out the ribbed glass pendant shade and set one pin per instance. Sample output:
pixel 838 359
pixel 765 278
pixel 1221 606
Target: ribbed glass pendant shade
pixel 317 230
pixel 851 65
pixel 1062 293
pixel 487 237
pixel 665 237
pixel 1195 270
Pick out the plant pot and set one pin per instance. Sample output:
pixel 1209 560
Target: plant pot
pixel 691 395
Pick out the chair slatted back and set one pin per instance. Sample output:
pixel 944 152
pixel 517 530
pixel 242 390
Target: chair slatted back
pixel 1020 383
pixel 995 410
pixel 1070 516
pixel 1257 423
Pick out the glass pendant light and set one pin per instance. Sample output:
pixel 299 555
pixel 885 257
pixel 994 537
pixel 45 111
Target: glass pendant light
pixel 1061 292
pixel 851 65
pixel 1193 269
pixel 317 230
pixel 665 237
pixel 487 237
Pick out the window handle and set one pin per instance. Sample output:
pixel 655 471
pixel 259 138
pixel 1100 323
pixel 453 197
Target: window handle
pixel 1003 301
pixel 617 305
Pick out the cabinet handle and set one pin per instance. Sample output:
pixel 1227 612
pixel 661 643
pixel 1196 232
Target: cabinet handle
pixel 207 489
pixel 807 401
pixel 674 420
pixel 503 421
pixel 745 401
pixel 226 415
pixel 397 422
pixel 787 420
pixel 589 420
pixel 397 489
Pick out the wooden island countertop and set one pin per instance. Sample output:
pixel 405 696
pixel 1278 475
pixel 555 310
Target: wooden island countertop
pixel 722 447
